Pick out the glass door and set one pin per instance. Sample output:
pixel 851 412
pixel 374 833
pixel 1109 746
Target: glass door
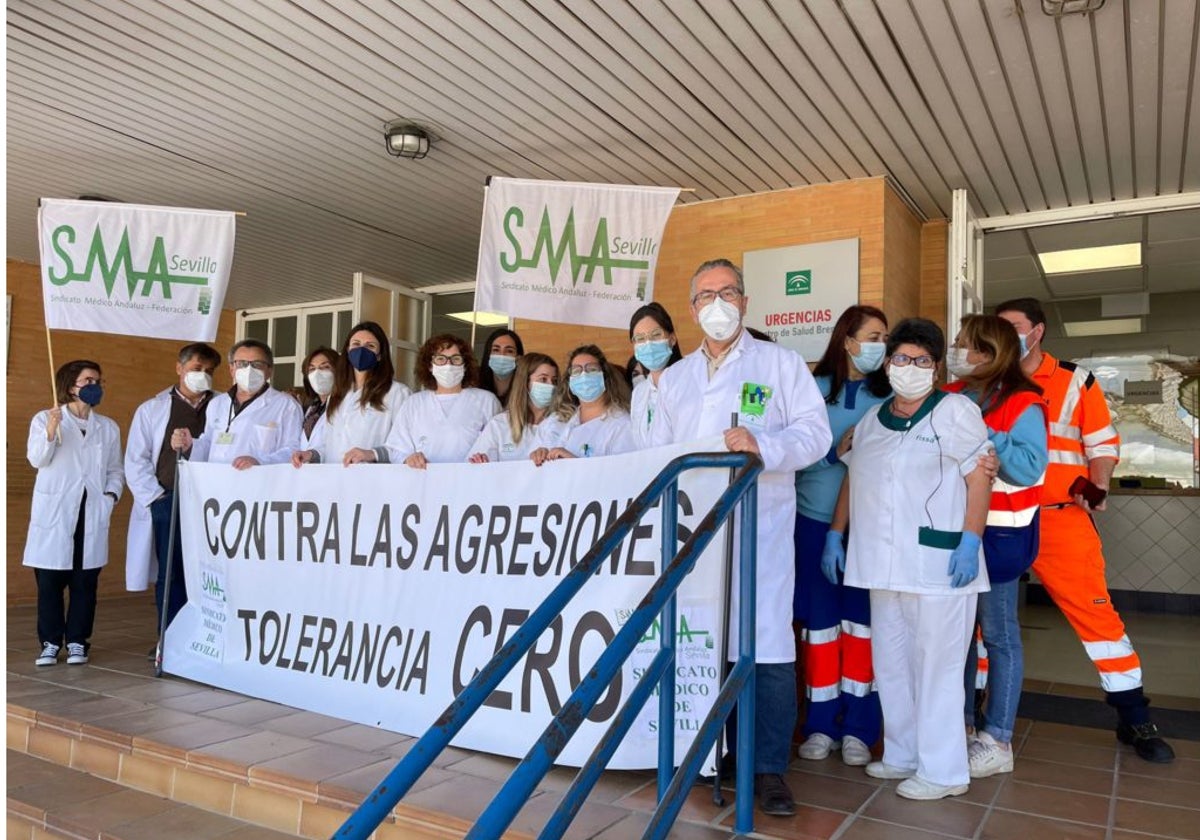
pixel 404 314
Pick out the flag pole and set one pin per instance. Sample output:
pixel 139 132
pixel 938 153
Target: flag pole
pixel 475 294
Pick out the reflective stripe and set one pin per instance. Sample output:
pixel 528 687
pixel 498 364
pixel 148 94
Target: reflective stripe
pixel 1099 436
pixel 1121 680
pixel 1107 450
pixel 824 636
pixel 1065 430
pixel 1057 456
pixel 856 688
pixel 1011 518
pixel 1108 650
pixel 825 692
pixel 858 631
pixel 1073 395
pixel 1002 486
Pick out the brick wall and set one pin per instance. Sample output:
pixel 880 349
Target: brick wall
pixel 891 253
pixel 134 369
pixel 934 276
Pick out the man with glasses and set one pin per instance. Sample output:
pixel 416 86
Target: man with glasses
pixel 781 418
pixel 150 473
pixel 1084 449
pixel 251 423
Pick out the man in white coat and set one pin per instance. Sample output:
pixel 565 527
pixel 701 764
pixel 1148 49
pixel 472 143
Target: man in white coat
pixel 251 423
pixel 782 419
pixel 150 474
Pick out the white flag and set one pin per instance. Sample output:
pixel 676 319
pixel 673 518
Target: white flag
pixel 570 253
pixel 127 269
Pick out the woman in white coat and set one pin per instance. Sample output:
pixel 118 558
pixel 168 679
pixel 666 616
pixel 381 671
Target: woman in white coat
pixel 362 409
pixel 318 371
pixel 77 455
pixel 440 424
pixel 915 477
pixel 513 434
pixel 590 412
pixel 655 347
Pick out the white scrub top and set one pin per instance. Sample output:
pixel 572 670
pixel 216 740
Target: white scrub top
pixel 496 440
pixel 608 434
pixel 773 394
pixel 908 496
pixel 267 429
pixel 443 427
pixel 355 425
pixel 644 404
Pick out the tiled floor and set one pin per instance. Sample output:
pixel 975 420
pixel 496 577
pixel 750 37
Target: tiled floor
pixel 1069 781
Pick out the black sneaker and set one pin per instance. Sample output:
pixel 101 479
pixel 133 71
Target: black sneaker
pixel 1145 740
pixel 774 797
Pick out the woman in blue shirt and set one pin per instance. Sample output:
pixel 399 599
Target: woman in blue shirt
pixel 843 707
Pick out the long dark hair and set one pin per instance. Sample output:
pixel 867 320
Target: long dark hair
pixel 657 313
pixel 379 378
pixel 616 389
pixel 1000 378
pixel 487 378
pixel 835 363
pixel 310 395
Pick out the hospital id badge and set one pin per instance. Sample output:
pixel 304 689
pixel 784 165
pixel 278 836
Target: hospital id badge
pixel 225 439
pixel 754 399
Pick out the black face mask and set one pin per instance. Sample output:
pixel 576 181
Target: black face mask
pixel 91 394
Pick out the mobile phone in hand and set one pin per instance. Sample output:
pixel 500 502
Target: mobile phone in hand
pixel 1092 494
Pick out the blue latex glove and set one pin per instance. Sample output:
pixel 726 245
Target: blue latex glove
pixel 964 560
pixel 833 557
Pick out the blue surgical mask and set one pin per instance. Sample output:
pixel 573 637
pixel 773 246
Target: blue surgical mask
pixel 1024 347
pixel 541 393
pixel 502 366
pixel 588 386
pixel 653 355
pixel 362 358
pixel 91 394
pixel 870 356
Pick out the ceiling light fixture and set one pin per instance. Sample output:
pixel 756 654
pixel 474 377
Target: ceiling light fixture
pixel 1115 326
pixel 1100 258
pixel 406 139
pixel 483 319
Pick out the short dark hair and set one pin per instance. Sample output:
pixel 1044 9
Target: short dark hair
pixel 199 350
pixel 1031 308
pixel 330 354
pixel 921 332
pixel 65 376
pixel 255 344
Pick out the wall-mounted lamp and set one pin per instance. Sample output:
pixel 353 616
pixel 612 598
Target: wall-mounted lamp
pixel 406 139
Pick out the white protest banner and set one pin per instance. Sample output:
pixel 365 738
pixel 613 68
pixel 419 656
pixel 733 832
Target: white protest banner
pixel 570 253
pixel 796 294
pixel 127 269
pixel 375 593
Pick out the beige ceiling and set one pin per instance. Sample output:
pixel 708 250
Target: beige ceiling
pixel 276 109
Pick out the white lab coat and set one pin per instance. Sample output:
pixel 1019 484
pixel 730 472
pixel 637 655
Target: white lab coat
pixel 904 480
pixel 496 440
pixel 608 434
pixel 90 462
pixel 792 432
pixel 266 430
pixel 443 427
pixel 644 404
pixel 146 435
pixel 356 425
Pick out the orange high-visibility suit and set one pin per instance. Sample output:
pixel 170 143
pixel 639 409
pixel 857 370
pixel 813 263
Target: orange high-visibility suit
pixel 1070 561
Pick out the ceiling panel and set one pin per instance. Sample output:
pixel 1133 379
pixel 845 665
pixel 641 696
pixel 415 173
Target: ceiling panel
pixel 1086 283
pixel 277 110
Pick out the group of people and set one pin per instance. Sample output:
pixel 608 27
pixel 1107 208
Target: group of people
pixel 894 517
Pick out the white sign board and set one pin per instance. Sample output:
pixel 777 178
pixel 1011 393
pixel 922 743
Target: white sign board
pixel 375 593
pixel 570 253
pixel 796 294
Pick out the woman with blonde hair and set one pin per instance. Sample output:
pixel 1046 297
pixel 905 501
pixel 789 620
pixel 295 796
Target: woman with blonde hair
pixel 590 412
pixel 513 434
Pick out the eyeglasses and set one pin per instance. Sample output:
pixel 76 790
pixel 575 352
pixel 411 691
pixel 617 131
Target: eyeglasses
pixel 242 364
pixel 729 294
pixel 455 360
pixel 901 360
pixel 590 367
pixel 646 338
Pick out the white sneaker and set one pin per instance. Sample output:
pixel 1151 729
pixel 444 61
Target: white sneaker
pixel 818 746
pixel 879 770
pixel 48 656
pixel 76 654
pixel 987 757
pixel 855 752
pixel 917 788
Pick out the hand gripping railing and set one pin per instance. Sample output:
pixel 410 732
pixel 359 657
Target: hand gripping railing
pixel 737 688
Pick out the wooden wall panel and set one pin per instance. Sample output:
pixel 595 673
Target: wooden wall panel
pixel 134 369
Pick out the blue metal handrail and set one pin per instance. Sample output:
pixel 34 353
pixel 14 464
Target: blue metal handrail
pixel 659 600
